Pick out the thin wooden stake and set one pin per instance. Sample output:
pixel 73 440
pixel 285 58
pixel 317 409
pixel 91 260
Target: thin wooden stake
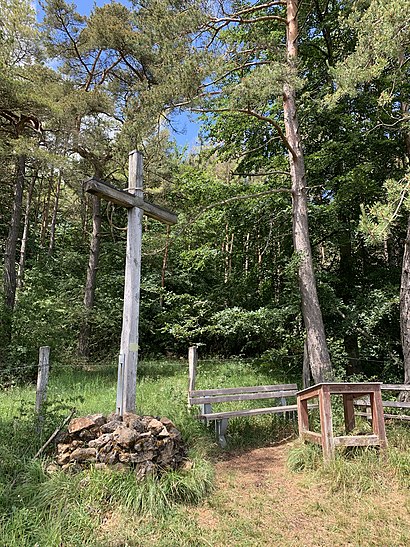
pixel 42 377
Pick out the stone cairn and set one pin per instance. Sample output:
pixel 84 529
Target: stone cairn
pixel 145 443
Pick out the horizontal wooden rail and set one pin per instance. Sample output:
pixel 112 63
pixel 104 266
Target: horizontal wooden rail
pixel 357 440
pixel 386 404
pixel 402 417
pixel 206 399
pixel 245 389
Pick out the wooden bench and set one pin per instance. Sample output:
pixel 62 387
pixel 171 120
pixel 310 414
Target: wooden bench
pixel 401 405
pixel 205 398
pixel 208 397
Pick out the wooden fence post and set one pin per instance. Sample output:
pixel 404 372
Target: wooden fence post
pixel 192 361
pixel 42 381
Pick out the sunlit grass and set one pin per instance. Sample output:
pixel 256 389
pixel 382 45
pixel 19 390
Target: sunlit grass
pixel 100 508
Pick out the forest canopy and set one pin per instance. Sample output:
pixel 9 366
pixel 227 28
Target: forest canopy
pixel 292 242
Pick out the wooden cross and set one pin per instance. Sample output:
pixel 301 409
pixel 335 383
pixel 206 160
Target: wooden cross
pixel 133 200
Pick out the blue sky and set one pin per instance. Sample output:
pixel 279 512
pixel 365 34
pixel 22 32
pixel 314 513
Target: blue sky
pixel 186 130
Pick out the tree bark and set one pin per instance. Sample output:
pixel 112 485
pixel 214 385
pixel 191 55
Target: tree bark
pixel 10 277
pixel 46 211
pixel 24 238
pixel 405 306
pixel 89 293
pixel 405 282
pixel 317 350
pixel 54 218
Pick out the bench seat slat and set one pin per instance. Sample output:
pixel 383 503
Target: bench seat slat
pixel 244 389
pixel 248 412
pixel 251 412
pixel 240 397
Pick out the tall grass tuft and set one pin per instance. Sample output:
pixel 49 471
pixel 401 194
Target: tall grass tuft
pixel 359 469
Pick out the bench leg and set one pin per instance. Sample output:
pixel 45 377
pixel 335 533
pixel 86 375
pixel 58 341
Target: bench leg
pixel 282 403
pixel 220 429
pixel 206 409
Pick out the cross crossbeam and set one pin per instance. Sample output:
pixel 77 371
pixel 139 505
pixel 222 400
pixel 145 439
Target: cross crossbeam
pixel 125 199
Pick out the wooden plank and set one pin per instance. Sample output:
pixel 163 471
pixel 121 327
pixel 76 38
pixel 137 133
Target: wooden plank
pixel 126 394
pixel 348 409
pixel 238 397
pixel 391 404
pixel 342 387
pixel 357 440
pixel 192 362
pixel 249 412
pixel 244 389
pixel 403 417
pixel 395 387
pixel 303 416
pixel 326 424
pixel 312 436
pixel 126 199
pixel 378 417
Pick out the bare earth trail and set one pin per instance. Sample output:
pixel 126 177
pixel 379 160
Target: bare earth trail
pixel 258 501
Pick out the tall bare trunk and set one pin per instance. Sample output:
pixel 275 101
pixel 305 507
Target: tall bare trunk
pixel 164 266
pixel 46 210
pixel 10 251
pixel 405 306
pixel 24 238
pixel 54 218
pixel 89 293
pixel 319 358
pixel 405 279
pixel 11 242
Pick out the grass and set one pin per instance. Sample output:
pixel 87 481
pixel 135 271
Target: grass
pixel 187 508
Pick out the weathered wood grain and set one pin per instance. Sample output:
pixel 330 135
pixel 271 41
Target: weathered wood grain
pixel 244 389
pixel 128 200
pixel 192 362
pixel 42 377
pixel 239 397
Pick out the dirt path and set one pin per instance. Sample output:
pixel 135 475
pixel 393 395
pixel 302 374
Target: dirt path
pixel 258 501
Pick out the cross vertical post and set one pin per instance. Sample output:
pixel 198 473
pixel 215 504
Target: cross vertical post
pixel 128 359
pixel 133 200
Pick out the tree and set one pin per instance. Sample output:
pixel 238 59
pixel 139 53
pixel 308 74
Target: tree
pixel 22 109
pixel 254 75
pixel 382 55
pixel 122 68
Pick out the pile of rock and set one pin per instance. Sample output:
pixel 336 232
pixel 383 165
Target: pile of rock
pixel 145 443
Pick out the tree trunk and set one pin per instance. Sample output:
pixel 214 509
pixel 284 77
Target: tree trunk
pixel 405 306
pixel 11 242
pixel 306 367
pixel 46 211
pixel 319 358
pixel 54 218
pixel 23 248
pixel 405 281
pixel 89 293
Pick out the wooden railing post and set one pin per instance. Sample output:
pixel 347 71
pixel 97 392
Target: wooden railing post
pixel 192 362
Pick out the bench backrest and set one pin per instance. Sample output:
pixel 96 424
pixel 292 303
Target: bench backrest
pixel 247 393
pixel 395 387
